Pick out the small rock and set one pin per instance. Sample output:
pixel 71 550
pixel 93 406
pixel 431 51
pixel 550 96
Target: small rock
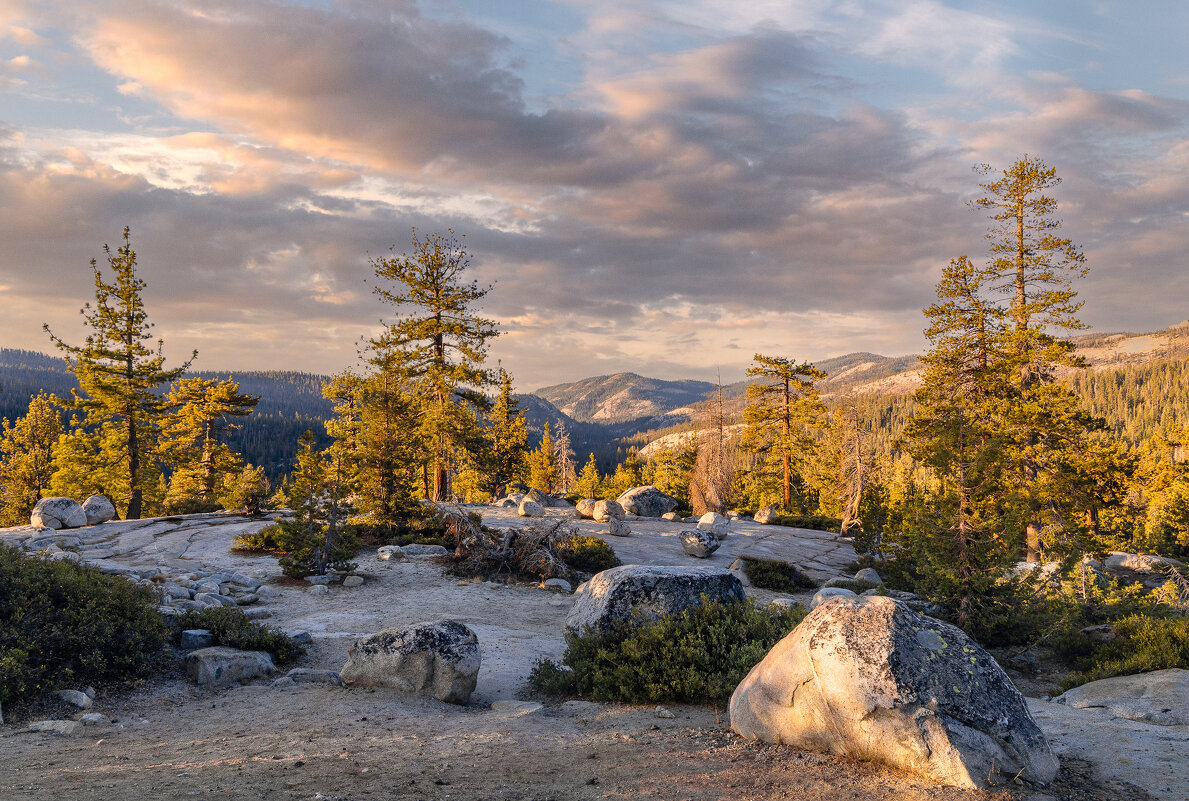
pixel 713 522
pixel 1101 633
pixel 95 719
pixel 390 552
pixel 516 709
pixel 319 589
pixel 557 584
pixel 606 510
pixel 261 612
pixel 315 676
pixel 301 637
pixel 193 639
pixel 767 515
pixel 439 658
pixel 585 508
pixel 329 578
pixel 827 593
pixel 353 581
pixel 63 727
pixel 661 712
pixel 424 551
pixel 76 698
pixel 284 683
pixel 618 528
pixel 646 501
pixel 530 508
pixel 700 544
pixel 247 599
pixel 222 667
pixel 868 575
pixel 671 516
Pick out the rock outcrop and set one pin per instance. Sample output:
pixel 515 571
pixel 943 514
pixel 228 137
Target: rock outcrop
pixel 1160 697
pixel 649 593
pixel 58 512
pixel 439 658
pixel 870 678
pixel 646 501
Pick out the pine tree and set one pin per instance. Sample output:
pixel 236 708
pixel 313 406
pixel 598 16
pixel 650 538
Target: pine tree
pixel 202 412
pixel 541 464
pixel 505 458
pixel 589 479
pixel 563 460
pixel 628 474
pixel 118 376
pixel 439 345
pixel 782 406
pixel 26 459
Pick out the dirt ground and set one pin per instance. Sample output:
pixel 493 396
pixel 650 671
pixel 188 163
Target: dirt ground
pixel 171 739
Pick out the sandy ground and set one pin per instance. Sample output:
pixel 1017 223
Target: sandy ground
pixel 174 740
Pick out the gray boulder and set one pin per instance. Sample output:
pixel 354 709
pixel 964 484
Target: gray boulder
pixel 222 667
pixel 869 678
pixel 440 658
pixel 618 528
pixel 390 552
pixel 605 510
pixel 646 501
pixel 713 522
pixel 57 512
pixel 416 551
pixel 585 508
pixel 1160 697
pixel 767 515
pixel 98 509
pixel 649 592
pixel 826 593
pixel 868 575
pixel 194 639
pixel 530 508
pixel 699 543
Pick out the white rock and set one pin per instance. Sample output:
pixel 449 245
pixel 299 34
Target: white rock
pixel 63 727
pixel 826 593
pixel 671 516
pixel 390 552
pixel 95 719
pixel 646 501
pixel 353 581
pixel 530 508
pixel 700 544
pixel 76 698
pixel 767 515
pixel 713 522
pixel 868 575
pixel 58 512
pixel 559 584
pixel 319 589
pixel 585 508
pixel 98 509
pixel 648 591
pixel 1160 697
pixel 223 667
pixel 606 510
pixel 869 678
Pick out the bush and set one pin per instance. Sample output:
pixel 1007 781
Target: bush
pixel 1142 644
pixel 62 622
pixel 815 522
pixel 773 574
pixel 587 554
pixel 232 628
pixel 295 545
pixel 273 538
pixel 698 655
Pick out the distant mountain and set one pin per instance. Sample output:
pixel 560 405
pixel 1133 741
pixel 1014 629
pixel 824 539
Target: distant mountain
pixel 623 397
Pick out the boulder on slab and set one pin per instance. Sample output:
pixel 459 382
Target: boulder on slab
pixel 440 658
pixel 826 593
pixel 671 517
pixel 57 512
pixel 646 501
pixel 530 508
pixel 699 543
pixel 869 678
pixel 98 509
pixel 390 552
pixel 1160 697
pixel 618 528
pixel 648 591
pixel 585 508
pixel 713 522
pixel 222 667
pixel 606 510
pixel 869 575
pixel 767 515
pixel 1140 562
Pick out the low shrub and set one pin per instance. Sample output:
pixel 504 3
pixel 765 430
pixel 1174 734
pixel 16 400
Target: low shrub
pixel 587 554
pixel 815 522
pixel 1142 644
pixel 295 545
pixel 773 574
pixel 62 622
pixel 270 539
pixel 699 655
pixel 232 628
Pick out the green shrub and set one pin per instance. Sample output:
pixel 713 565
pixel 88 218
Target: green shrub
pixel 587 554
pixel 62 622
pixel 1142 644
pixel 698 655
pixel 273 538
pixel 773 574
pixel 232 628
pixel 815 522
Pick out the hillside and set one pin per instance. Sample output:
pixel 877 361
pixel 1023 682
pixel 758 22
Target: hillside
pixel 622 397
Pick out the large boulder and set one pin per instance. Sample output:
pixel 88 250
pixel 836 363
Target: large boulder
pixel 58 513
pixel 649 592
pixel 1160 697
pixel 606 510
pixel 646 501
pixel 98 509
pixel 699 543
pixel 618 528
pixel 767 515
pixel 869 678
pixel 440 658
pixel 222 667
pixel 530 508
pixel 585 508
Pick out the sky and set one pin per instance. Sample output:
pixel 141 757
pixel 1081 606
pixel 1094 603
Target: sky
pixel 664 187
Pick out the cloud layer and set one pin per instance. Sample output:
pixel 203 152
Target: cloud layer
pixel 787 179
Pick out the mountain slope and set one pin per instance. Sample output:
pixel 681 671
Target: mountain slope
pixel 623 396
